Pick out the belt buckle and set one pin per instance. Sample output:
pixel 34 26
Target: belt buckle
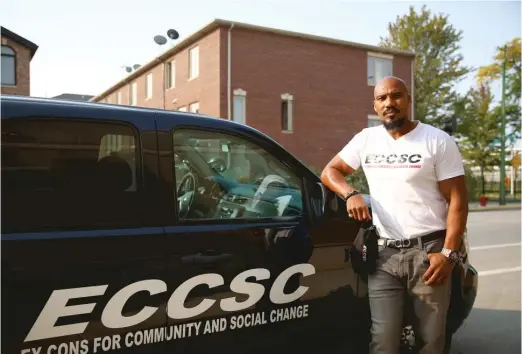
pixel 402 243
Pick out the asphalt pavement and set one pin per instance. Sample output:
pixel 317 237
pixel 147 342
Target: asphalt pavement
pixel 494 325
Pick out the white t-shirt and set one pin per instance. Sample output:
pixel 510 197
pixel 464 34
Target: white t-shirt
pixel 403 177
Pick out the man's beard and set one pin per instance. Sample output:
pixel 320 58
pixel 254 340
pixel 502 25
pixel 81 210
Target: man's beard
pixel 395 124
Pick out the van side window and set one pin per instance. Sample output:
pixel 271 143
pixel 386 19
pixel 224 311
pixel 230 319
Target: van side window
pixel 62 174
pixel 220 176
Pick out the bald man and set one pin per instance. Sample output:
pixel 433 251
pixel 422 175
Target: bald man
pixel 419 207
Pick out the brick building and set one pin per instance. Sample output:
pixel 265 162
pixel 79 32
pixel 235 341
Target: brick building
pixel 17 53
pixel 309 93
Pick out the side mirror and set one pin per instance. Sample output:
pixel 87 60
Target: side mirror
pixel 323 202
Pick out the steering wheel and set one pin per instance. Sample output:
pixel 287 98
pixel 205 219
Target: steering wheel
pixel 186 199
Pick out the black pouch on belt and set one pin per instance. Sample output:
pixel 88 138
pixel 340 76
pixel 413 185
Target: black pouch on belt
pixel 364 260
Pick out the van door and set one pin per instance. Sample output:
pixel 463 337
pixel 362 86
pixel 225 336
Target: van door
pixel 248 270
pixel 82 264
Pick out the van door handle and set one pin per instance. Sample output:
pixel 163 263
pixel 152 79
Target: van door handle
pixel 205 258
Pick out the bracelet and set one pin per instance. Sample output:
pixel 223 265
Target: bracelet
pixel 351 195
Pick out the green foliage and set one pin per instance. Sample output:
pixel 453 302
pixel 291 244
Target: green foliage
pixel 438 66
pixel 358 181
pixel 493 72
pixel 473 184
pixel 477 127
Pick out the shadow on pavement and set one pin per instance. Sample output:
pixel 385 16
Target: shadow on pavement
pixel 489 331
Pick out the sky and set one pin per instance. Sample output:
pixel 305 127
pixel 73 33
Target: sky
pixel 84 44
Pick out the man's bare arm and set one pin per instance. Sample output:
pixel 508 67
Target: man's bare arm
pixel 455 192
pixel 334 176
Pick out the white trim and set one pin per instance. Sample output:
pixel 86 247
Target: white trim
pixel 287 97
pixel 380 55
pixel 229 73
pixel 289 113
pixel 194 70
pixel 134 93
pixel 239 92
pixel 172 82
pixel 192 105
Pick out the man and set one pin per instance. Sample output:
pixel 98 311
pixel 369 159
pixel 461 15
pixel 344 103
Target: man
pixel 419 207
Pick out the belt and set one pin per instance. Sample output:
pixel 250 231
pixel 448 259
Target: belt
pixel 407 243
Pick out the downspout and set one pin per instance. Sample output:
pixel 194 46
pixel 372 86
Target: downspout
pixel 229 68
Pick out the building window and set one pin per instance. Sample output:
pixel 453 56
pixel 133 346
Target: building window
pixel 194 107
pixel 148 87
pixel 134 94
pixel 8 66
pixel 182 109
pixel 287 112
pixel 373 121
pixel 379 66
pixel 239 114
pixel 193 63
pixel 66 174
pixel 170 75
pixel 118 99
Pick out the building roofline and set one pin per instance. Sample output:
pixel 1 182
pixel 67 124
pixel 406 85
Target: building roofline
pixel 217 23
pixel 19 39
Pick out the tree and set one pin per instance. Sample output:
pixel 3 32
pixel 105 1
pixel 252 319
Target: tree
pixel 438 66
pixel 493 72
pixel 477 128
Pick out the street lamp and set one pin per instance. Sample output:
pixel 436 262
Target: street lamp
pixel 161 40
pixel 130 69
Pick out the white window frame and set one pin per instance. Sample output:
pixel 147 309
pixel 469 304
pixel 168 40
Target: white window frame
pixel 133 94
pixel 172 74
pixel 194 107
pixel 148 86
pixel 182 109
pixel 373 119
pixel 193 62
pixel 9 61
pixel 239 114
pixel 286 97
pixel 371 61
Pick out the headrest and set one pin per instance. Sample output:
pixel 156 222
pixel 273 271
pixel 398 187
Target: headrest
pixel 113 174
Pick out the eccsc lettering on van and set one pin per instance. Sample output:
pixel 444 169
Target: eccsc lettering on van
pixel 56 306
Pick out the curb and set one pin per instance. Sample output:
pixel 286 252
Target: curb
pixel 495 208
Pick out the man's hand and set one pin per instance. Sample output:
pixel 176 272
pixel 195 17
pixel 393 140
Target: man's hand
pixel 357 208
pixel 440 268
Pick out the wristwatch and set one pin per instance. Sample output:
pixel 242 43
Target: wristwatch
pixel 453 256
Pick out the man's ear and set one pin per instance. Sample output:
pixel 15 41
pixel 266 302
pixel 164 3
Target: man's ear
pixel 375 108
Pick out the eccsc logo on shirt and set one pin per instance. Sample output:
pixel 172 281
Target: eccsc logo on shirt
pixel 392 158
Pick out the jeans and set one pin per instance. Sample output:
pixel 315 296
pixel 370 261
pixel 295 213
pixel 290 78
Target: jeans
pixel 398 282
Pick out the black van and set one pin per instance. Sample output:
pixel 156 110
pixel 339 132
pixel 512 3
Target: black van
pixel 134 230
